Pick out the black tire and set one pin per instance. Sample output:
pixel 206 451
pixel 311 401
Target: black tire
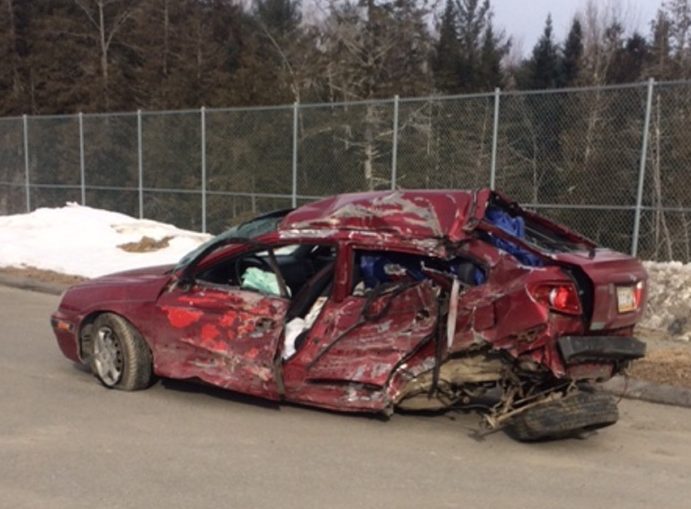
pixel 565 417
pixel 120 357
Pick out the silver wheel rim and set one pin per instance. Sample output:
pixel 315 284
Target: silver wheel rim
pixel 107 356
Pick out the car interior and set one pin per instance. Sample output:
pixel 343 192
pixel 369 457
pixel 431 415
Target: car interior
pixel 373 269
pixel 307 270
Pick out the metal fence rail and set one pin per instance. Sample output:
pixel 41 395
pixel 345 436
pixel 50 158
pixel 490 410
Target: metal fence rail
pixel 611 162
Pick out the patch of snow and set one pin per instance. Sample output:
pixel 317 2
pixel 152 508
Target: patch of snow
pixel 84 241
pixel 669 299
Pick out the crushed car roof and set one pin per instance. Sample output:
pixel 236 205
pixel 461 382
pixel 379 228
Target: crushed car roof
pixel 410 214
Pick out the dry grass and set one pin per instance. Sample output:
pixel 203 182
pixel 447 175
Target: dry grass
pixel 43 276
pixel 145 245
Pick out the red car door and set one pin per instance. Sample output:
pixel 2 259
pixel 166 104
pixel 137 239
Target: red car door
pixel 224 335
pixel 354 349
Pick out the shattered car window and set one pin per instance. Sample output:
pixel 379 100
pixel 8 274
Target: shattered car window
pixel 531 232
pixel 249 230
pixel 375 268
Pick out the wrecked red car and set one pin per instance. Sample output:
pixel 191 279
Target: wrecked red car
pixel 372 302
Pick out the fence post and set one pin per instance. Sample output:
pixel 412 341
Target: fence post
pixel 27 180
pixel 203 142
pixel 394 144
pixel 140 165
pixel 495 135
pixel 641 171
pixel 82 173
pixel 296 107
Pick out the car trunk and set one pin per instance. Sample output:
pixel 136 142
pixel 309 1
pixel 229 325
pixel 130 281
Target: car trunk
pixel 608 276
pixel 606 280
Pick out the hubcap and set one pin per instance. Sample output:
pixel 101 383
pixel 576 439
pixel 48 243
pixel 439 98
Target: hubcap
pixel 107 356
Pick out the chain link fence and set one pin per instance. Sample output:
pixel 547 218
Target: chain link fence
pixel 611 162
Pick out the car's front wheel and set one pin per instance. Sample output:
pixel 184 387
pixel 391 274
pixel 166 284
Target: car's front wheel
pixel 120 358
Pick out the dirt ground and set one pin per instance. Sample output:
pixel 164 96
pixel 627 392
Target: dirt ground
pixel 667 361
pixel 42 276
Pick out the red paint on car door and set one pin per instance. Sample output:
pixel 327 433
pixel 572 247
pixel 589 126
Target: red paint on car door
pixel 226 336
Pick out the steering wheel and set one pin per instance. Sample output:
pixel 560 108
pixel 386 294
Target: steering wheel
pixel 250 260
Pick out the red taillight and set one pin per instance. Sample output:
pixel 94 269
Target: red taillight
pixel 638 291
pixel 562 297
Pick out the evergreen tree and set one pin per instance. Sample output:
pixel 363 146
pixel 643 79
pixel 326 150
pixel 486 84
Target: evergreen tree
pixel 493 50
pixel 573 50
pixel 472 19
pixel 543 67
pixel 279 16
pixel 446 60
pixel 628 62
pixel 469 50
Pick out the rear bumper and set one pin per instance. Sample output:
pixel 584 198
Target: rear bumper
pixel 580 349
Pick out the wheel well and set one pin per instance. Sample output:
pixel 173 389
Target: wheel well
pixel 85 328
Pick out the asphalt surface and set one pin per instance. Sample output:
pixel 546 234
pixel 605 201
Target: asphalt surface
pixel 65 441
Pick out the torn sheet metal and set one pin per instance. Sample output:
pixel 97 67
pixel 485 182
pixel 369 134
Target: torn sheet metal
pixel 367 352
pixel 410 214
pixel 228 339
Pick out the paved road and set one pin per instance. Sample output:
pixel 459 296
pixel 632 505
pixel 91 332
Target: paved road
pixel 65 441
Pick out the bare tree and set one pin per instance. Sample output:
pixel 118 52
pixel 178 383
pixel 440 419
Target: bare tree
pixel 370 51
pixel 106 18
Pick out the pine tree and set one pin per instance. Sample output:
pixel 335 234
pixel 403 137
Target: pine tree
pixel 571 60
pixel 627 65
pixel 469 50
pixel 446 60
pixel 544 64
pixel 279 16
pixel 472 22
pixel 493 50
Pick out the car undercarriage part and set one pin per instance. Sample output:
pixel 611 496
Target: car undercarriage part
pixel 574 414
pixel 460 381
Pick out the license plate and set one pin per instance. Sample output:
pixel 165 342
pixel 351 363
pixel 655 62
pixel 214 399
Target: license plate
pixel 625 299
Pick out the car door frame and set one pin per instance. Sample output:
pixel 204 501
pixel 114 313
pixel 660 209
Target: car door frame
pixel 184 310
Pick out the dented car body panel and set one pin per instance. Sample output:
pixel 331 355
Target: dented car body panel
pixel 381 300
pixel 228 339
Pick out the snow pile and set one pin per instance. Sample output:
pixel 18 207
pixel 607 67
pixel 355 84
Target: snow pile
pixel 669 299
pixel 84 241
